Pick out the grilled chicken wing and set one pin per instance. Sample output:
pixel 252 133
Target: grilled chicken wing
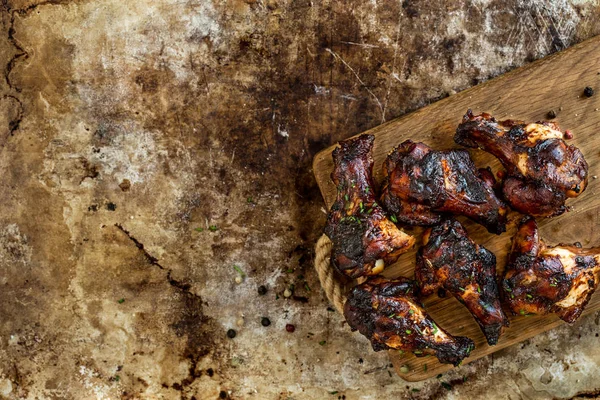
pixel 449 259
pixel 541 279
pixel 542 170
pixel 420 183
pixel 388 314
pixel 364 239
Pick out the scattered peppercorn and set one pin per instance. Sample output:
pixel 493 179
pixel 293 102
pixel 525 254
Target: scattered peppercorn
pixel 262 290
pixel 290 328
pixel 568 134
pixel 223 394
pixel 265 321
pixel 210 372
pixel 231 333
pixel 111 206
pixel 588 91
pixel 360 361
pixel 551 114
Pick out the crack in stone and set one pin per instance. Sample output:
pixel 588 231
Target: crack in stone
pixel 586 395
pixel 20 54
pixel 13 125
pixel 185 287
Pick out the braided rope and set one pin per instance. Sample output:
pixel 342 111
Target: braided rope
pixel 334 289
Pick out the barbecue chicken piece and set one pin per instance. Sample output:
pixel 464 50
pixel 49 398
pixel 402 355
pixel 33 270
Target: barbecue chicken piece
pixel 388 314
pixel 420 183
pixel 364 239
pixel 542 170
pixel 450 260
pixel 541 279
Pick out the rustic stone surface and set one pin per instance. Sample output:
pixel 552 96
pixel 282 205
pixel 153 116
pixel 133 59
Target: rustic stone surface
pixel 147 147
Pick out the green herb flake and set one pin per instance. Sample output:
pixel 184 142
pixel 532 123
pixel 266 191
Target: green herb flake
pixel 529 296
pixel 438 376
pixel 461 288
pixel 346 197
pixel 117 378
pixel 553 285
pixel 394 219
pixel 199 229
pixel 239 271
pixel 435 329
pixel 121 301
pixel 411 311
pixel 392 316
pixel 408 331
pixel 362 208
pixel 417 352
pixel 416 390
pixel 306 287
pixel 508 289
pixel 289 270
pixel 334 392
pixel 478 290
pixel 522 312
pixel 213 228
pixel 447 386
pixel 425 367
pixel 250 200
pixel 322 342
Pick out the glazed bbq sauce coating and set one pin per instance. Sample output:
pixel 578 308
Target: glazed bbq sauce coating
pixel 389 315
pixel 542 170
pixel 364 239
pixel 421 183
pixel 541 279
pixel 449 259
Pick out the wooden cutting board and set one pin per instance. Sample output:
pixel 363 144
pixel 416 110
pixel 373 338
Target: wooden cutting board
pixel 528 93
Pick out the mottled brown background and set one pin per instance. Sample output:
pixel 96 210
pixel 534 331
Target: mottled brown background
pixel 125 125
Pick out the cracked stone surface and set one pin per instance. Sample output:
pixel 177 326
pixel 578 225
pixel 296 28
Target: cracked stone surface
pixel 147 147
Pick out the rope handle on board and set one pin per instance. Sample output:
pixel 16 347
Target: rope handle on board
pixel 334 289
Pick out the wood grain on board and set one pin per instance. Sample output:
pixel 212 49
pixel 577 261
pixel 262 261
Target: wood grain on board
pixel 553 83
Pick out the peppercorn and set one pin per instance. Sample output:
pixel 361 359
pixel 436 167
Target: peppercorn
pixel 588 91
pixel 551 114
pixel 262 290
pixel 223 394
pixel 265 321
pixel 568 134
pixel 231 333
pixel 290 328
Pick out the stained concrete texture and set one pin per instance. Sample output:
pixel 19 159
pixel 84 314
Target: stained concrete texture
pixel 147 147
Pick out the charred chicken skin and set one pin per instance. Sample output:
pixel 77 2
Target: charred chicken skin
pixel 541 279
pixel 421 183
pixel 364 239
pixel 542 170
pixel 389 315
pixel 450 260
